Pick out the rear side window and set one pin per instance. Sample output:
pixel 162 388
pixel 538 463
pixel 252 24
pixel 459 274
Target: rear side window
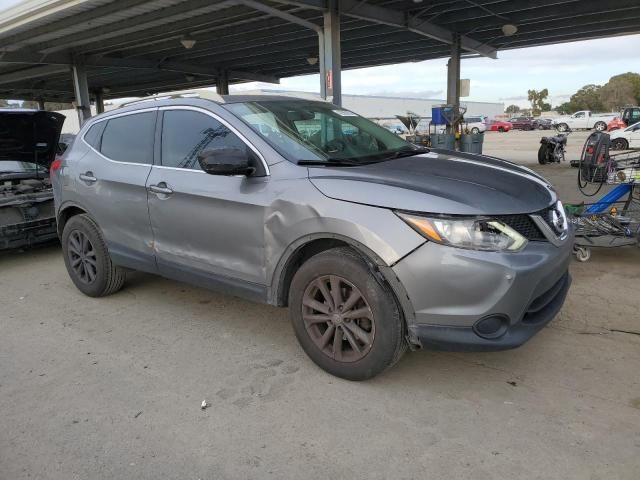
pixel 130 138
pixel 186 133
pixel 94 135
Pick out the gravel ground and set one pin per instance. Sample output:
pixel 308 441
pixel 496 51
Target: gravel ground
pixel 111 388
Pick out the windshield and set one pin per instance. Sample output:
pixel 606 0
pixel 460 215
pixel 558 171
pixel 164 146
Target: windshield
pixel 303 130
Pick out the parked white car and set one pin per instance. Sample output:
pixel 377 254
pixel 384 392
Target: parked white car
pixel 625 138
pixel 477 124
pixel 584 119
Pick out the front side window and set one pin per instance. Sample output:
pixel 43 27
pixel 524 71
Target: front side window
pixel 130 138
pixel 185 134
pixel 579 115
pixel 303 130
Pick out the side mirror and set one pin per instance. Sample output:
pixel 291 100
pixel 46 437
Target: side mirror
pixel 226 161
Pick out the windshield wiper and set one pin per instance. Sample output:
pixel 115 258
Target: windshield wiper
pixel 329 162
pixel 410 152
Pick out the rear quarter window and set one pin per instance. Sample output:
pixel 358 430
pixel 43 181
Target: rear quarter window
pixel 94 135
pixel 129 138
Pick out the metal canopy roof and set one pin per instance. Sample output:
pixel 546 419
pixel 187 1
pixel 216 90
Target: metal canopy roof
pixel 132 47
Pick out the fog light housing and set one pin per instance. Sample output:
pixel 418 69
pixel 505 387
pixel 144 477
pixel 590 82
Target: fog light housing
pixel 491 327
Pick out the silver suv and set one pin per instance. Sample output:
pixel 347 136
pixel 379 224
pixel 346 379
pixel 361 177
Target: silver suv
pixel 374 244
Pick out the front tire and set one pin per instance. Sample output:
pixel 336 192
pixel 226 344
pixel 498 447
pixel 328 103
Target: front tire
pixel 346 321
pixel 475 130
pixel 87 258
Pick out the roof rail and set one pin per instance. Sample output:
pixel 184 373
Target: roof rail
pixel 167 96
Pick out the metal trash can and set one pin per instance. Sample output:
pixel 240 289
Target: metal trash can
pixel 446 141
pixel 471 143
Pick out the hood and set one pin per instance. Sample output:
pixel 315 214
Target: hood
pixel 29 135
pixel 439 182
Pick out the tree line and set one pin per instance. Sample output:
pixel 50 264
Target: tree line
pixel 620 91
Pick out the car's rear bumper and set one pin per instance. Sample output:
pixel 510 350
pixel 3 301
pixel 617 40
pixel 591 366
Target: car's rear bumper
pixel 26 234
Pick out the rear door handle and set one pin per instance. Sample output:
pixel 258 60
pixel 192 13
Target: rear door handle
pixel 161 188
pixel 88 177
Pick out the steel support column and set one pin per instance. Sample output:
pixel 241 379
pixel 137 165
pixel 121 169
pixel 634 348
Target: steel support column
pixel 222 83
pixel 453 73
pixel 453 78
pixel 81 91
pixel 99 101
pixel 330 55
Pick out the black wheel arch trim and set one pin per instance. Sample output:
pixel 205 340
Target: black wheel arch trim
pixel 385 273
pixel 66 206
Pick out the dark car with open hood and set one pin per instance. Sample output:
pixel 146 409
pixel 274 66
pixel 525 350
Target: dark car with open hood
pixel 28 147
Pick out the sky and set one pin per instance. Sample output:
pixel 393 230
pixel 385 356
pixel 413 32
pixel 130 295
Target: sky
pixel 562 69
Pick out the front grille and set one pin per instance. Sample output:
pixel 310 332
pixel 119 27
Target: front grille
pixel 524 225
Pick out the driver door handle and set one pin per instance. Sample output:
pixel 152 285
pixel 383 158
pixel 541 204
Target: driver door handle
pixel 88 177
pixel 161 188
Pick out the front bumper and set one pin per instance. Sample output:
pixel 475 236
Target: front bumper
pixel 29 233
pixel 450 290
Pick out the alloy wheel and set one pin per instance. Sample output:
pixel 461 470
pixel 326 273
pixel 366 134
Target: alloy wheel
pixel 82 257
pixel 338 318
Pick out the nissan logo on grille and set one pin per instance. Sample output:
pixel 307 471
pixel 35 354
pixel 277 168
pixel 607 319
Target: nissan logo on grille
pixel 558 219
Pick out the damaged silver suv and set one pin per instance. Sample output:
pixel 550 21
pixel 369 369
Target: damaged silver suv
pixel 374 244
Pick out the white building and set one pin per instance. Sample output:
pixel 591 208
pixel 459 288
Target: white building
pixel 384 109
pixel 378 108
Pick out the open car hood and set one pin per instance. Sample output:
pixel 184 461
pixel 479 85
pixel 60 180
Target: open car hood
pixel 445 182
pixel 29 135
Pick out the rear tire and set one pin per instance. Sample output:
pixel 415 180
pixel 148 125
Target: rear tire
pixel 475 130
pixel 563 127
pixel 619 144
pixel 501 129
pixel 354 341
pixel 87 258
pixel 600 126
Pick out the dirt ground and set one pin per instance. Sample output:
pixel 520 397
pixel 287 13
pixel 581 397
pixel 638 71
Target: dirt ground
pixel 111 388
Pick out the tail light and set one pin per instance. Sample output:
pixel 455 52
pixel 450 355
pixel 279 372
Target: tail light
pixel 55 166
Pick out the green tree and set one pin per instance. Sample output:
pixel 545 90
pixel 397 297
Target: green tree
pixel 512 109
pixel 565 108
pixel 537 98
pixel 621 90
pixel 546 107
pixel 587 98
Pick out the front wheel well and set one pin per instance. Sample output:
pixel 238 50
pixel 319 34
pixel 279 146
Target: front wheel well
pixel 295 261
pixel 65 215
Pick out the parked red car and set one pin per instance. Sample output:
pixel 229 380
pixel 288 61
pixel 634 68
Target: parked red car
pixel 615 124
pixel 500 126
